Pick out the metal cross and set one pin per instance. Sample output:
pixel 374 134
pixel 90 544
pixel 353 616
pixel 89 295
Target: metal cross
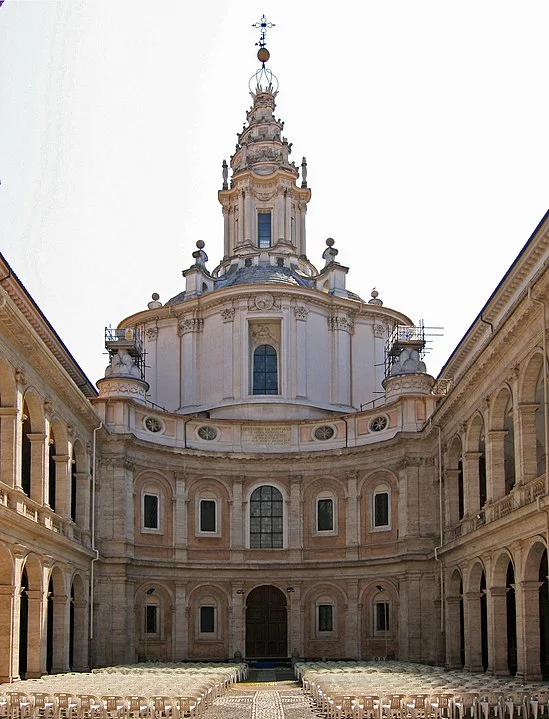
pixel 264 25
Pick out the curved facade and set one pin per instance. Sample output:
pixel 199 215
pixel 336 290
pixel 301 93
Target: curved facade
pixel 268 469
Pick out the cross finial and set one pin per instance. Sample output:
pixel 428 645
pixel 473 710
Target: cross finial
pixel 263 25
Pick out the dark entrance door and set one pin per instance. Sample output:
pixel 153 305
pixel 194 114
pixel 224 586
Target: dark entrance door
pixel 266 623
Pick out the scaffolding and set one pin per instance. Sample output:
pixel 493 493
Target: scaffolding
pixel 410 337
pixel 129 339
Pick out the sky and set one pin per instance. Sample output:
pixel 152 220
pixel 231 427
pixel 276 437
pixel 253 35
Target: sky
pixel 424 125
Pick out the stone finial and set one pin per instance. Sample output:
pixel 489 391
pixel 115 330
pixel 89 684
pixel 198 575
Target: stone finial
pixel 304 172
pixel 154 304
pixel 375 301
pixel 200 257
pixel 225 174
pixel 330 253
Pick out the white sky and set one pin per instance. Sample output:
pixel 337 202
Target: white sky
pixel 424 124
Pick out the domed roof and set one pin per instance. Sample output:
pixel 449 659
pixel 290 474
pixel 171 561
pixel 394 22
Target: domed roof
pixel 262 273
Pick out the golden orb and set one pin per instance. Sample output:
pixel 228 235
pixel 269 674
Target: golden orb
pixel 263 54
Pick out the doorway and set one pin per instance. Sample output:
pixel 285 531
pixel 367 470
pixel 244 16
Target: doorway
pixel 266 623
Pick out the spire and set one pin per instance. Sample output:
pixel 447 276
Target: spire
pixel 263 207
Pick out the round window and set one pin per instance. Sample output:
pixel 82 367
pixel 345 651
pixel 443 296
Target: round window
pixel 206 432
pixel 378 424
pixel 324 432
pixel 153 424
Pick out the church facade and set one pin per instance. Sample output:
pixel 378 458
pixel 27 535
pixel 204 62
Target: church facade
pixel 284 478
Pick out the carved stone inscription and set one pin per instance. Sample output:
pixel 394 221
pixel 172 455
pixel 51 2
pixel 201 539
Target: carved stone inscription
pixel 266 436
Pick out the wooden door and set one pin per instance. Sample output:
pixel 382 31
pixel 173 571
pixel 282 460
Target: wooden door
pixel 266 623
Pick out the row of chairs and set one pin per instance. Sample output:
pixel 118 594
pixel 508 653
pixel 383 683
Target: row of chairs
pixel 467 705
pixel 62 705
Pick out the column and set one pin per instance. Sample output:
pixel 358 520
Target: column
pixel 36 634
pixel 240 237
pixel 248 217
pixel 38 455
pixel 352 517
pixel 180 517
pixel 495 485
pixel 288 216
pixel 301 313
pixel 295 519
pixel 497 631
pixel 227 316
pixel 341 328
pixel 453 633
pixel 189 331
pixel 278 229
pixel 83 489
pixel 8 442
pixel 80 636
pixel 295 621
pixel 181 641
pixel 525 448
pixel 302 243
pixel 471 490
pixel 62 485
pixel 528 640
pixel 237 523
pixel 352 635
pixel 237 638
pixel 413 582
pixel 451 496
pixel 226 230
pixel 472 627
pixel 61 615
pixel 8 625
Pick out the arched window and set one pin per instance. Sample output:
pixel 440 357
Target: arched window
pixel 266 518
pixel 265 370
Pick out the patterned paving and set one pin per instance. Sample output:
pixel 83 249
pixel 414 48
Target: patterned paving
pixel 249 701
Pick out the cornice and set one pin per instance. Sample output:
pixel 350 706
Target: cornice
pixel 220 297
pixel 29 343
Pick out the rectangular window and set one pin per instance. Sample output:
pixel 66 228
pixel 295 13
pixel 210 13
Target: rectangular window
pixel 207 620
pixel 382 616
pixel 325 618
pixel 325 515
pixel 151 619
pixel 381 509
pixel 263 229
pixel 207 515
pixel 150 511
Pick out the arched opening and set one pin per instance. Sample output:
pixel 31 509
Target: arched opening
pixel 265 370
pixel 266 518
pixel 49 628
pixel 483 622
pixel 23 625
pixel 482 470
pixel 511 620
pixel 71 628
pixel 541 449
pixel 73 488
pixel 26 451
pixel 544 616
pixel 461 499
pixel 266 623
pixel 461 626
pixel 509 446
